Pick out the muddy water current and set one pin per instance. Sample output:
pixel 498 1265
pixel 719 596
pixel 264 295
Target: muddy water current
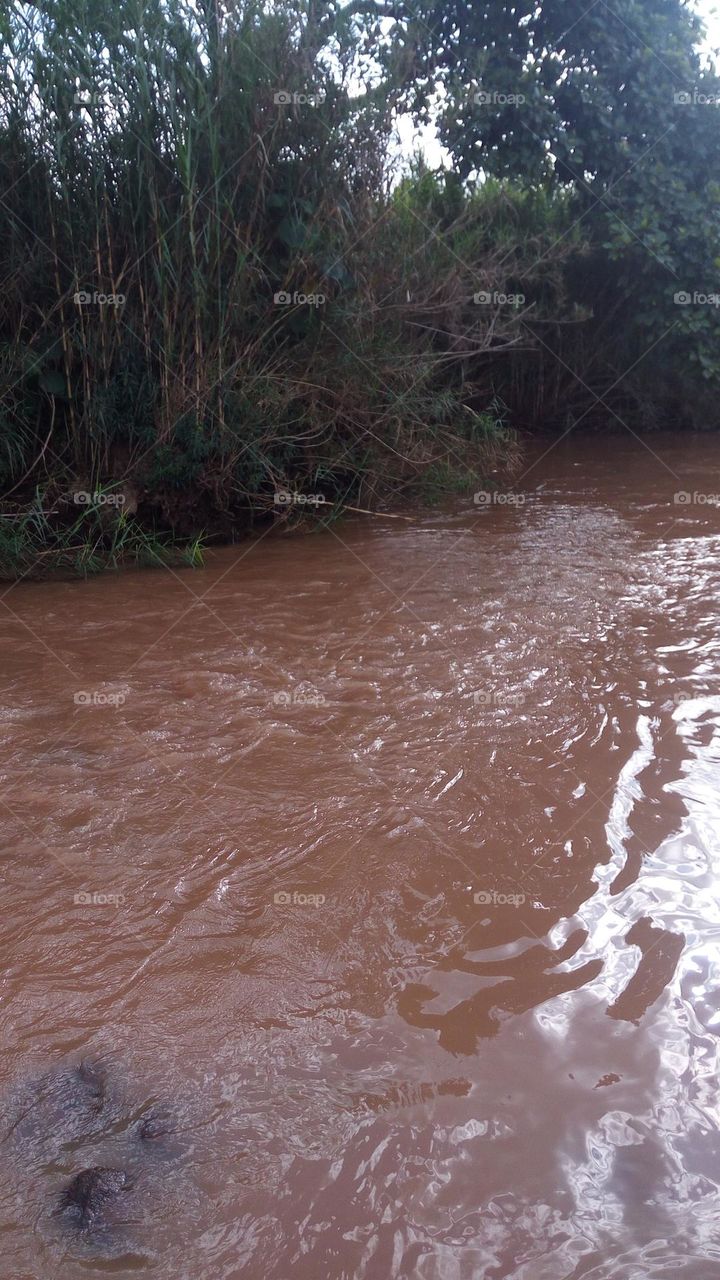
pixel 361 895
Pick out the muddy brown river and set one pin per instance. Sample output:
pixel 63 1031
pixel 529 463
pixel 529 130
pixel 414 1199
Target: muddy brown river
pixel 382 867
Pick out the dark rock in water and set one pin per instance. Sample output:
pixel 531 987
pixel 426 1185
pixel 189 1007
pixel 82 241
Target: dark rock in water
pixel 157 1131
pixel 155 1124
pixel 88 1083
pixel 82 1114
pixel 60 1107
pixel 90 1191
pixel 80 1088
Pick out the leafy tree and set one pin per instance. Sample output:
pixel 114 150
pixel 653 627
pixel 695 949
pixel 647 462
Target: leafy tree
pixel 612 102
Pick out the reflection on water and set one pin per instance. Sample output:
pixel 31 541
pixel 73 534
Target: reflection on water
pixel 382 867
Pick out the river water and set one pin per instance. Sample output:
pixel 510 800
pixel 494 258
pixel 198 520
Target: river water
pixel 384 863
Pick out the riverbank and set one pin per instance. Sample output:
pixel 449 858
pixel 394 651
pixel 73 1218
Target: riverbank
pixel 82 530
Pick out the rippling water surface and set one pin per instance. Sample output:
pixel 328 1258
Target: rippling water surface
pixel 384 866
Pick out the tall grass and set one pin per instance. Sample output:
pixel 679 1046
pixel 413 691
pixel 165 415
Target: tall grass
pixel 169 170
